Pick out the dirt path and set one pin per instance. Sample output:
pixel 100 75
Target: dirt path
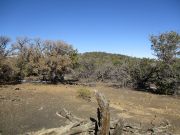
pixel 33 107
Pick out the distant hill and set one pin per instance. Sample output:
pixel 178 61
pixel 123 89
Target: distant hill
pixel 102 58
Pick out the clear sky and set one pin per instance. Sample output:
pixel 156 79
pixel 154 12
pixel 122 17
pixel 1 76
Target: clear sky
pixel 115 26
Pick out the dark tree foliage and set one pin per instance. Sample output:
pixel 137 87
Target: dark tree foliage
pixel 166 79
pixel 142 73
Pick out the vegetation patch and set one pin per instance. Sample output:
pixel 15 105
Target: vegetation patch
pixel 55 61
pixel 84 93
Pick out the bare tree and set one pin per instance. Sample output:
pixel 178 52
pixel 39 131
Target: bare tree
pixel 3 45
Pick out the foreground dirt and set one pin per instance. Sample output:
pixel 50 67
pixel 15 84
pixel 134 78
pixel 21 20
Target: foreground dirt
pixel 31 107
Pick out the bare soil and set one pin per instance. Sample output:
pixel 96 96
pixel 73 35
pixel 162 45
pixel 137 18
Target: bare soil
pixel 31 107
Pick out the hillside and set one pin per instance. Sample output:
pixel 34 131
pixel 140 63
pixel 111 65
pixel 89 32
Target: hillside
pixel 101 58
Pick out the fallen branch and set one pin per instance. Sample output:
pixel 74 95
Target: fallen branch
pixel 67 115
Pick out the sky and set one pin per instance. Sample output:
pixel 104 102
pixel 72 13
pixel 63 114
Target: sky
pixel 113 26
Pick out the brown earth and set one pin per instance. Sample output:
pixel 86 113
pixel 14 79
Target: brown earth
pixel 31 107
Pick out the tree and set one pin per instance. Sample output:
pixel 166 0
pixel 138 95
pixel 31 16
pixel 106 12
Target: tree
pixel 58 59
pixel 7 68
pixel 166 79
pixel 3 46
pixel 35 50
pixel 166 47
pixel 21 51
pixel 142 73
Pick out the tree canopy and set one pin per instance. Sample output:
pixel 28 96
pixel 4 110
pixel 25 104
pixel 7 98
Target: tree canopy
pixel 166 46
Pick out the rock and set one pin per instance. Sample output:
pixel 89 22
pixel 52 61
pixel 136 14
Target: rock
pixel 17 89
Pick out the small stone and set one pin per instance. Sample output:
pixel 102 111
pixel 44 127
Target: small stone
pixel 17 89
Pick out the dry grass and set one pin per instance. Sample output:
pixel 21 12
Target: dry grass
pixel 84 93
pixel 33 106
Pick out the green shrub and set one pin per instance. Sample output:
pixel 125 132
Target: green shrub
pixel 166 79
pixel 84 93
pixel 142 73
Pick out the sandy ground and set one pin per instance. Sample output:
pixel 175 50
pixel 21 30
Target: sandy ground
pixel 32 107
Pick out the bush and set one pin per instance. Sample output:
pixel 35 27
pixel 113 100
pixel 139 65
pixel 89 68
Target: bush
pixel 8 74
pixel 84 93
pixel 166 79
pixel 142 73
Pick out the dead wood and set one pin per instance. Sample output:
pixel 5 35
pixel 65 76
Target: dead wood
pixel 68 115
pixel 103 114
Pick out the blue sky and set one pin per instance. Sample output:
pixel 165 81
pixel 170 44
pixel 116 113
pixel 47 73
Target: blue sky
pixel 115 26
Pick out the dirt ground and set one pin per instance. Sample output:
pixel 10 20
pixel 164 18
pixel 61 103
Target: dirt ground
pixel 31 107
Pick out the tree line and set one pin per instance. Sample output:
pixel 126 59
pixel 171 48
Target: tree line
pixel 51 60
